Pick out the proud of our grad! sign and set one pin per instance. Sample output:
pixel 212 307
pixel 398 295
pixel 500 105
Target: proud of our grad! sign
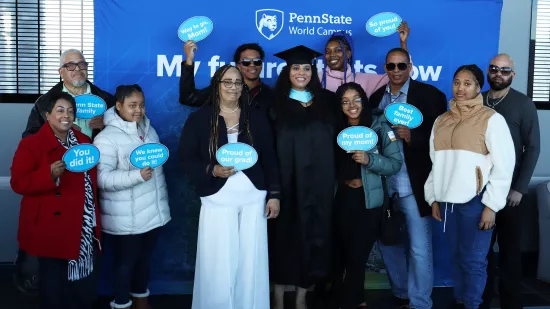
pixel 149 155
pixel 195 28
pixel 239 155
pixel 357 138
pixel 383 24
pixel 403 114
pixel 89 106
pixel 81 158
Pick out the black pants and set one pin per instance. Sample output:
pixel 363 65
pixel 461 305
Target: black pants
pixel 132 264
pixel 357 229
pixel 57 292
pixel 508 233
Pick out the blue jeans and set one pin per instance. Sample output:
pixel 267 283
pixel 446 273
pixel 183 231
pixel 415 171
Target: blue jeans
pixel 410 267
pixel 468 246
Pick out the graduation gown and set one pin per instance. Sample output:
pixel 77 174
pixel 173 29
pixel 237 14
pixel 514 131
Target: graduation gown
pixel 300 247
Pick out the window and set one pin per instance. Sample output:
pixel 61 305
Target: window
pixel 539 60
pixel 33 34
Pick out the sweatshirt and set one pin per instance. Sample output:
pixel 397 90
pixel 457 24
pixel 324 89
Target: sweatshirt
pixel 472 152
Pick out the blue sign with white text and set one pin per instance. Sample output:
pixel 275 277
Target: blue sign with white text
pixel 81 158
pixel 357 138
pixel 89 106
pixel 403 114
pixel 149 155
pixel 239 155
pixel 195 28
pixel 383 24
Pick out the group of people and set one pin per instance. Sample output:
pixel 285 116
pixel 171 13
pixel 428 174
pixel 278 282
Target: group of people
pixel 64 214
pixel 468 165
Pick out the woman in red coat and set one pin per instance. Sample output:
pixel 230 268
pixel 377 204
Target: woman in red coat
pixel 59 220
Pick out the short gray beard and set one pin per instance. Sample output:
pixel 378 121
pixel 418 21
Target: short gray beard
pixel 78 83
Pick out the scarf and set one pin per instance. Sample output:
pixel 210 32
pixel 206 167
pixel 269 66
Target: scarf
pixel 84 266
pixel 301 96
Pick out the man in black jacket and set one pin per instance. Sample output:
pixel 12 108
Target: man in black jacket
pixel 248 59
pixel 74 72
pixel 522 118
pixel 408 183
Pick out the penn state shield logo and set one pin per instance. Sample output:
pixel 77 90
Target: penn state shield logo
pixel 269 22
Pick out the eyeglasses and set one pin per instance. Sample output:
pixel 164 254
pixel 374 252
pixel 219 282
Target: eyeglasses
pixel 248 62
pixel 505 71
pixel 71 66
pixel 228 84
pixel 402 66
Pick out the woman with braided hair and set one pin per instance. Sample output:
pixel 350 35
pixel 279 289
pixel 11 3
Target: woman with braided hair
pixel 232 263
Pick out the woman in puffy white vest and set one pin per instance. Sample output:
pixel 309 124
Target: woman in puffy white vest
pixel 133 202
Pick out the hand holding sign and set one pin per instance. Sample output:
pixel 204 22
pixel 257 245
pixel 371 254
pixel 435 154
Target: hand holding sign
pixel 224 172
pixel 189 48
pixel 57 168
pixel 149 155
pixel 146 173
pixel 403 114
pixel 357 138
pixel 81 158
pixel 360 157
pixel 238 155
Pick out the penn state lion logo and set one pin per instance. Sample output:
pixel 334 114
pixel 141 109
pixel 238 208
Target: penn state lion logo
pixel 269 22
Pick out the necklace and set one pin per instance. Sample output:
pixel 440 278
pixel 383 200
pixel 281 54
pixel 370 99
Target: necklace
pixel 231 112
pixel 492 105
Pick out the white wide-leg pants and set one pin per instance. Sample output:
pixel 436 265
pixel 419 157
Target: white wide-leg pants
pixel 231 270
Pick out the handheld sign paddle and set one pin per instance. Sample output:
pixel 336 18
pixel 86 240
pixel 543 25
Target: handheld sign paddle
pixel 152 155
pixel 357 138
pixel 88 106
pixel 195 28
pixel 81 158
pixel 403 114
pixel 239 155
pixel 383 24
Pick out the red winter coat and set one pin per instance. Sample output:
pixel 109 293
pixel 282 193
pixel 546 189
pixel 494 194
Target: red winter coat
pixel 51 216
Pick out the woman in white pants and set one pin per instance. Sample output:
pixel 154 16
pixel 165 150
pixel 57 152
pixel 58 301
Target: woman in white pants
pixel 231 270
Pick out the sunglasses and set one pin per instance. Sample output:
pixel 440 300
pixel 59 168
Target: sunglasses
pixel 248 62
pixel 71 66
pixel 505 71
pixel 400 66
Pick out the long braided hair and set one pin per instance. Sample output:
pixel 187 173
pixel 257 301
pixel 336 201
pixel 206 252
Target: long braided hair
pixel 214 100
pixel 345 42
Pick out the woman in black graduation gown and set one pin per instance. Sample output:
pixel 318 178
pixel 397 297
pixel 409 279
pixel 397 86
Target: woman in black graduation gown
pixel 304 119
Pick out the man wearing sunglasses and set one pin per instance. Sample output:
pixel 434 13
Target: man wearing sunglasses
pixel 407 186
pixel 249 60
pixel 521 115
pixel 74 74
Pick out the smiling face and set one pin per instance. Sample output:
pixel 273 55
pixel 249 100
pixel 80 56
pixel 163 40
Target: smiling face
pixel 465 86
pixel 251 71
pixel 300 76
pixel 133 107
pixel 398 68
pixel 61 116
pixel 334 56
pixel 352 105
pixel 231 85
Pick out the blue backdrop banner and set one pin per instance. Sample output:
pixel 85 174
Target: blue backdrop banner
pixel 136 41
